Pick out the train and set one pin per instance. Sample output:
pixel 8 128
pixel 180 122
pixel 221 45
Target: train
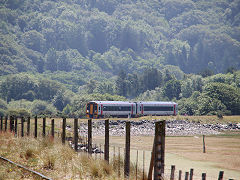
pixel 100 109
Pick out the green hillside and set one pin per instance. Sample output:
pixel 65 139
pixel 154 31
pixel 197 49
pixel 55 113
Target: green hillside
pixel 57 55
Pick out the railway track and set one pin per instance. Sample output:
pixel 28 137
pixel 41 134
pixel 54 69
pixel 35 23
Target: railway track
pixel 24 168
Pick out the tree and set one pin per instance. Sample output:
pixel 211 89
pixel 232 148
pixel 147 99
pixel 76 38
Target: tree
pixel 42 108
pixel 34 40
pixel 63 63
pixel 121 84
pixel 226 94
pixel 51 60
pixel 172 89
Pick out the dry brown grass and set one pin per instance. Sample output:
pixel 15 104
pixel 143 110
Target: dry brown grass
pixel 222 151
pixel 52 159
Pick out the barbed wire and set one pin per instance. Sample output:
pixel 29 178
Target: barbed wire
pixel 29 170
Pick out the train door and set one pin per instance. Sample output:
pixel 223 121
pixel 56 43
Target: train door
pixel 91 110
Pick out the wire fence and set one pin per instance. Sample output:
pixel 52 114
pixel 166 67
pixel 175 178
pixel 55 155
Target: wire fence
pixel 139 159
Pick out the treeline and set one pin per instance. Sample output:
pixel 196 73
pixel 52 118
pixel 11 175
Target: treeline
pixel 56 56
pixel 109 35
pixel 196 95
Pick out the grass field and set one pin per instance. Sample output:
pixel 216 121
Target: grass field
pixel 222 153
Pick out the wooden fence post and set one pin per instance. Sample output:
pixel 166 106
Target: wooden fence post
pixel 191 174
pixel 6 118
pixel 1 123
pixel 143 164
pixel 137 166
pixel 44 127
pixel 64 131
pixel 90 136
pixel 16 125
pixel 35 127
pixel 106 146
pixel 52 128
pixel 159 150
pixel 186 175
pixel 220 177
pixel 22 126
pixel 119 155
pixel 203 176
pixel 204 148
pixel 76 134
pixel 28 126
pixel 11 123
pixel 127 151
pixel 172 172
pixel 180 175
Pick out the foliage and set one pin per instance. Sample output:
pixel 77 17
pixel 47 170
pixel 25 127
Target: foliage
pixel 56 52
pixel 43 108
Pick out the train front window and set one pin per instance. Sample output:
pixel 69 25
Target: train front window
pixel 88 108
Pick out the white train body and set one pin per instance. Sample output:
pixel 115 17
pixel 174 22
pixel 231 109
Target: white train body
pixel 96 109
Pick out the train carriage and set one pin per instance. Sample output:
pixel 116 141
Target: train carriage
pixel 157 108
pixel 97 109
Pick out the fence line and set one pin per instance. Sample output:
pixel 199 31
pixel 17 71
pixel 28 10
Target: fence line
pixel 107 149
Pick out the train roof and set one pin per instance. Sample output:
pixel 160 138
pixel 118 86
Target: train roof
pixel 128 102
pixel 112 102
pixel 156 102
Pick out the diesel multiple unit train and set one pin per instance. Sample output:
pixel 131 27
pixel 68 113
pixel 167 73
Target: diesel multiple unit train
pixel 98 109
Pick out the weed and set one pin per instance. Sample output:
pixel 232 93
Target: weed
pixel 29 153
pixel 49 162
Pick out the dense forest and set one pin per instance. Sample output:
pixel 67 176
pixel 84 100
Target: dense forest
pixel 57 55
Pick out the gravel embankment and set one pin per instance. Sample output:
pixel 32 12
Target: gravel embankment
pixel 145 127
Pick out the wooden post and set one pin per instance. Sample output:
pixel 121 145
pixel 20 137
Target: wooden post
pixel 90 136
pixel 119 155
pixel 203 176
pixel 137 166
pixel 180 175
pixel 22 126
pixel 143 164
pixel 172 172
pixel 106 146
pixel 44 127
pixel 159 150
pixel 1 123
pixel 204 148
pixel 127 151
pixel 64 131
pixel 35 127
pixel 6 118
pixel 16 125
pixel 76 134
pixel 28 126
pixel 191 174
pixel 11 123
pixel 52 128
pixel 220 177
pixel 186 175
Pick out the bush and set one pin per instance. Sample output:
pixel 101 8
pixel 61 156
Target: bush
pixel 42 108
